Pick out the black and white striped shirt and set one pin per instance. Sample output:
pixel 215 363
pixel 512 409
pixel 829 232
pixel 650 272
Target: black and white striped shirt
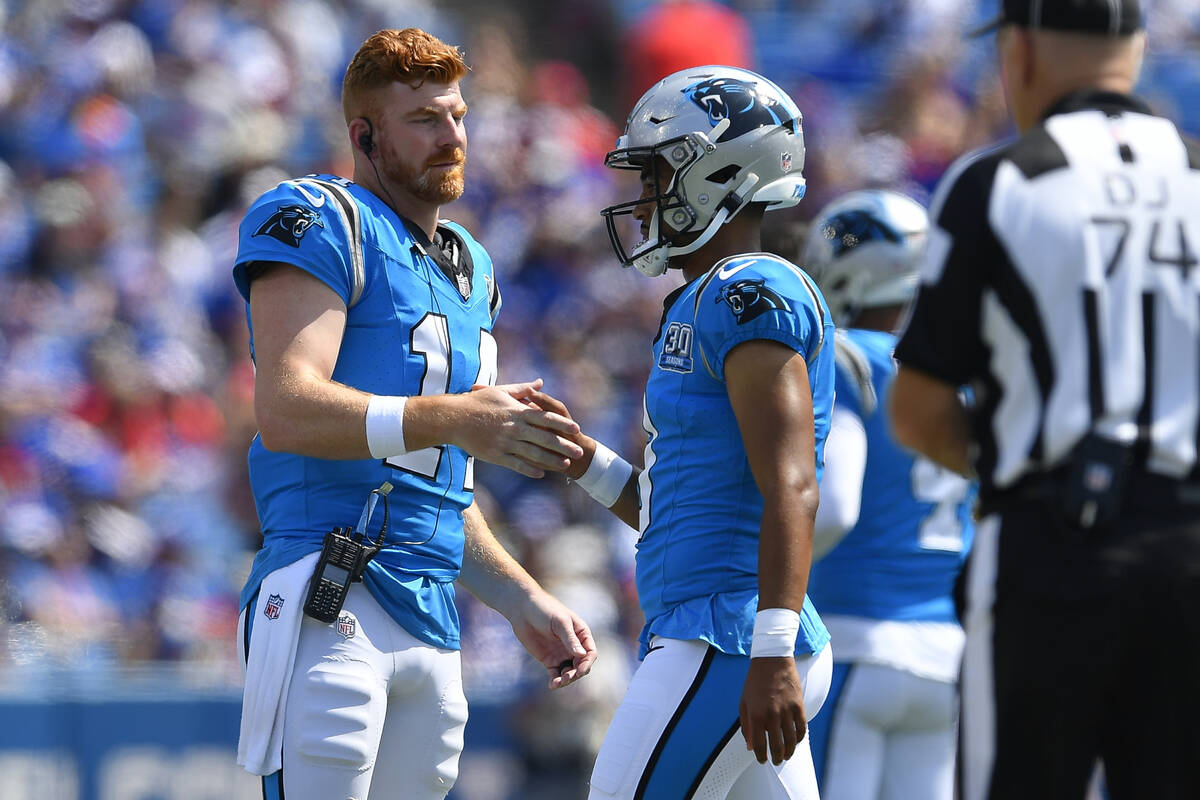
pixel 1062 282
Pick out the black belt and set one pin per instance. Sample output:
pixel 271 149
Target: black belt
pixel 1143 491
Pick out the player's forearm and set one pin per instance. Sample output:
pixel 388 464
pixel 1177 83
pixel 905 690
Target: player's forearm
pixel 928 417
pixel 488 571
pixel 627 505
pixel 785 545
pixel 836 516
pixel 311 416
pixel 842 481
pixel 435 419
pixel 318 417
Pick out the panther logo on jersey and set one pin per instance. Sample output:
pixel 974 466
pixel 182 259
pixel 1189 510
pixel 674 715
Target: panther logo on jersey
pixel 289 224
pixel 750 298
pixel 738 102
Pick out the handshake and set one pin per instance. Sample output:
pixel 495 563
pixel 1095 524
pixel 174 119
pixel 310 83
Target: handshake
pixel 520 427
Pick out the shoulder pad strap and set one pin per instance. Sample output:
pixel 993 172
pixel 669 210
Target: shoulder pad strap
pixel 817 304
pixel 494 299
pixel 804 280
pixel 346 207
pixel 704 282
pixel 852 361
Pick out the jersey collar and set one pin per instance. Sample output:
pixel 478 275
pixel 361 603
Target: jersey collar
pixel 1109 102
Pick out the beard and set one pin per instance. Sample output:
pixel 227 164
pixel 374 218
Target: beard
pixel 438 186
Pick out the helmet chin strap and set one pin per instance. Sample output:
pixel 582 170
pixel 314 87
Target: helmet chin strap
pixel 654 261
pixel 719 219
pixel 729 206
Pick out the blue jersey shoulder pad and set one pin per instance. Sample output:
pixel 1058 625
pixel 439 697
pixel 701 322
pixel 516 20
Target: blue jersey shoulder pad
pixel 313 223
pixel 757 296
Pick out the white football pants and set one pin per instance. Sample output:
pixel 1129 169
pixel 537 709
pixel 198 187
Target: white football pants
pixel 372 712
pixel 676 734
pixel 886 734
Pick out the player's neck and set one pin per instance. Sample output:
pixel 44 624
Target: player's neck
pixel 418 212
pixel 741 235
pixel 883 318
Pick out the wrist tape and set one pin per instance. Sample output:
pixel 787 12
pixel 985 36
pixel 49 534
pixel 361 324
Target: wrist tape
pixel 385 426
pixel 775 631
pixel 606 476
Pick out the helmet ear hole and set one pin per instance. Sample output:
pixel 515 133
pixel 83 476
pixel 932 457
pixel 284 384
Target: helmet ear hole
pixel 724 175
pixel 731 138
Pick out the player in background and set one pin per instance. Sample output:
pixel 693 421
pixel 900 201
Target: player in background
pixel 371 325
pixel 734 657
pixel 891 531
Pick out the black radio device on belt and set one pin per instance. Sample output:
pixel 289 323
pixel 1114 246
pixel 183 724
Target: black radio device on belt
pixel 1095 488
pixel 344 557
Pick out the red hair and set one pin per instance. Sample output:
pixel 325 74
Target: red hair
pixel 409 56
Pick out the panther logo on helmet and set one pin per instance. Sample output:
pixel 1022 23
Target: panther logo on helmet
pixel 750 298
pixel 737 101
pixel 289 224
pixel 730 136
pixel 852 228
pixel 864 251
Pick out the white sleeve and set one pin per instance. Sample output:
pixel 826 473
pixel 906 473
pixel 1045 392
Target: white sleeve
pixel 841 484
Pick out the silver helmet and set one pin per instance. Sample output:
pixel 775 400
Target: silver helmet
pixel 863 251
pixel 731 138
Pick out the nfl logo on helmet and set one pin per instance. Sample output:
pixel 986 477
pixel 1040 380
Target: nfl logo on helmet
pixel 785 162
pixel 274 603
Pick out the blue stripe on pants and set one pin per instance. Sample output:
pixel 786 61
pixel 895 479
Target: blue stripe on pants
pixel 272 786
pixel 698 730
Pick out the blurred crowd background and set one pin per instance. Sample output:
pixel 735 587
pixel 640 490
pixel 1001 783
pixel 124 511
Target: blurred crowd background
pixel 133 135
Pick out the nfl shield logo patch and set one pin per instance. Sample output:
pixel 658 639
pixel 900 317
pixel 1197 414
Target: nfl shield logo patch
pixel 346 626
pixel 1097 477
pixel 785 162
pixel 274 603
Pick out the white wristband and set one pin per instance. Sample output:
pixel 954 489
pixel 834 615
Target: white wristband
pixel 385 426
pixel 775 631
pixel 606 476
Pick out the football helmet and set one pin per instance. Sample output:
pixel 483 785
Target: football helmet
pixel 731 138
pixel 863 250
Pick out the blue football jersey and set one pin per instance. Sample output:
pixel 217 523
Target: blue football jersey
pixel 697 558
pixel 410 330
pixel 914 526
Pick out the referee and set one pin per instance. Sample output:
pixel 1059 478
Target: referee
pixel 1061 284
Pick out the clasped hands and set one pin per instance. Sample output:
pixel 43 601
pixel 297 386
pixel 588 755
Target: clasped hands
pixel 518 426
